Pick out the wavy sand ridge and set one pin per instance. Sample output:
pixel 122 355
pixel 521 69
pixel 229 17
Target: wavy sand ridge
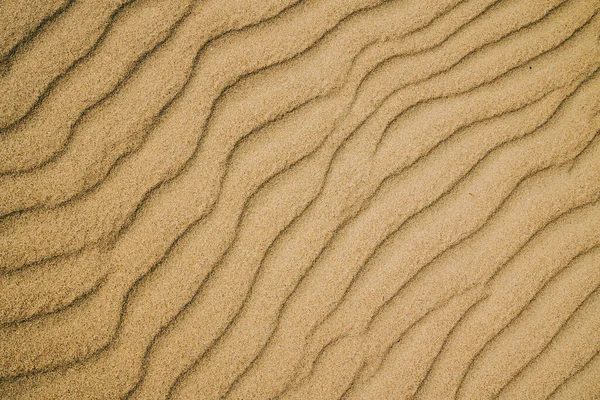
pixel 300 199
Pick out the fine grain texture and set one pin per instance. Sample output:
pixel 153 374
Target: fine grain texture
pixel 300 199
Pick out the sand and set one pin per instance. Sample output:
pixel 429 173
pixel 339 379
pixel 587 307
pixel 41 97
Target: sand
pixel 300 199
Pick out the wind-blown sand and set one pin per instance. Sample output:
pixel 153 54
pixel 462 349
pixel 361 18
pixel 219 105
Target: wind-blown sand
pixel 300 199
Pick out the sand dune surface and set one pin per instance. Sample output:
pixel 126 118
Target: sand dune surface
pixel 300 199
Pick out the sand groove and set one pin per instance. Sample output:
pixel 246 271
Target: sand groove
pixel 300 199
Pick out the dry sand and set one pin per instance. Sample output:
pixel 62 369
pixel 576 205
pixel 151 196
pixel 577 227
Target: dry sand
pixel 300 199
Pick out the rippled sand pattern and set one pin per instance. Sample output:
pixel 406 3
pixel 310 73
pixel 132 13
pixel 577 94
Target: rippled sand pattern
pixel 300 199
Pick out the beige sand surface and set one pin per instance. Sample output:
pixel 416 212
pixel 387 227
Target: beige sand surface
pixel 300 199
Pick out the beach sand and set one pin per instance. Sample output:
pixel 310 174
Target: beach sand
pixel 300 199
